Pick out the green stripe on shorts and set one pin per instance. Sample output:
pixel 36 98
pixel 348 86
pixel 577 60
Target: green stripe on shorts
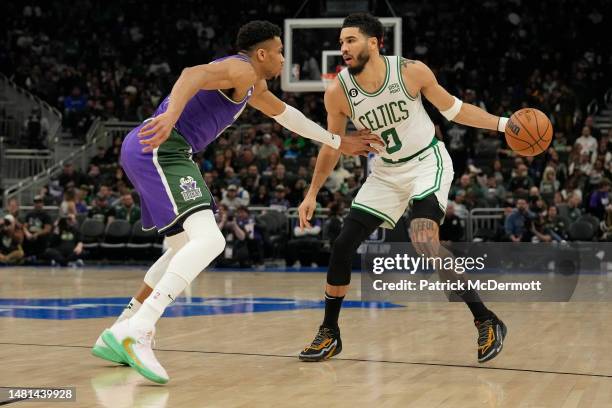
pixel 373 212
pixel 439 171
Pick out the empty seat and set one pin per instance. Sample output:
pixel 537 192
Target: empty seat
pixel 117 234
pixel 91 233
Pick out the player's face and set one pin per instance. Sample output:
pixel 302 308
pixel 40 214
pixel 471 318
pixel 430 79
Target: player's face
pixel 354 48
pixel 273 58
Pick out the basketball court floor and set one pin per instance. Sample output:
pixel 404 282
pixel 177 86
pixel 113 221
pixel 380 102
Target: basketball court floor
pixel 233 343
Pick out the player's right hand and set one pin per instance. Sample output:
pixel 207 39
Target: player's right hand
pixel 159 129
pixel 306 210
pixel 361 143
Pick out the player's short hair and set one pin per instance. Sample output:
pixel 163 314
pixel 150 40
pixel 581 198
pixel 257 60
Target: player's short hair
pixel 367 24
pixel 255 32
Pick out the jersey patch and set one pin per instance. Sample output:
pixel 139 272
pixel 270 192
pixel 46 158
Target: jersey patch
pixel 394 88
pixel 190 189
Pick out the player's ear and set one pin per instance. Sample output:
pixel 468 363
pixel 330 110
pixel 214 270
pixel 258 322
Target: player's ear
pixel 261 54
pixel 373 43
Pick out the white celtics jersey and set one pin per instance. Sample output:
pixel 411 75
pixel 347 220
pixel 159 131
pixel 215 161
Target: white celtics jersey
pixel 390 112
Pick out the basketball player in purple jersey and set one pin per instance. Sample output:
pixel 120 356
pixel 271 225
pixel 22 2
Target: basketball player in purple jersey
pixel 156 156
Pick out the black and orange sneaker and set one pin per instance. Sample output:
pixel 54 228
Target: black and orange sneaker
pixel 326 344
pixel 491 334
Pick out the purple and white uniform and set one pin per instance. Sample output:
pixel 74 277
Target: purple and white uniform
pixel 169 182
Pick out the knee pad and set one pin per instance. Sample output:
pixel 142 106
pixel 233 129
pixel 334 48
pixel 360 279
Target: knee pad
pixel 205 243
pixel 172 244
pixel 201 227
pixel 356 228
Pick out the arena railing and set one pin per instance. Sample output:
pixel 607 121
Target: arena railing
pixel 21 103
pixel 99 134
pixel 480 219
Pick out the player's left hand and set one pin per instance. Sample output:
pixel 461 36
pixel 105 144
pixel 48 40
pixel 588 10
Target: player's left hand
pixel 159 129
pixel 361 143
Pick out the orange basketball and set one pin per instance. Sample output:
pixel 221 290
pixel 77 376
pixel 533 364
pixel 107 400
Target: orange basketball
pixel 528 132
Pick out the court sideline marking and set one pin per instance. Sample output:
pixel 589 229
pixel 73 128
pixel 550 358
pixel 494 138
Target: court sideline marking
pixel 417 363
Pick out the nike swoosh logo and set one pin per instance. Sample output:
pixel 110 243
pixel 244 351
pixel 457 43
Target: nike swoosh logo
pixel 358 102
pixel 424 157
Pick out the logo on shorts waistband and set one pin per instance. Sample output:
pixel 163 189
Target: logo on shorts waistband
pixel 190 188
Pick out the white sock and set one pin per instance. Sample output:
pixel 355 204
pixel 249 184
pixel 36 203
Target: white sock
pixel 165 292
pixel 129 310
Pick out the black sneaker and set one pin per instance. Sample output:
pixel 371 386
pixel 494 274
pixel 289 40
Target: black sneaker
pixel 326 344
pixel 491 334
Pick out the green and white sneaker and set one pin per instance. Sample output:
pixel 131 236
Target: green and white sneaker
pixel 101 350
pixel 134 344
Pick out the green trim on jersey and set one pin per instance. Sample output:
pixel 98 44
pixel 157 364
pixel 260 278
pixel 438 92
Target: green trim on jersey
pixel 401 80
pixel 373 212
pixel 439 171
pixel 384 85
pixel 433 143
pixel 348 97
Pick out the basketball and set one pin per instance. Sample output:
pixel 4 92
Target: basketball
pixel 529 132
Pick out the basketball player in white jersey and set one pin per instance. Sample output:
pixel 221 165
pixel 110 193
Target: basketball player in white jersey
pixel 384 94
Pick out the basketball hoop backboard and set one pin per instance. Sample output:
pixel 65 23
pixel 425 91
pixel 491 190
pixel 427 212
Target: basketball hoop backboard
pixel 312 51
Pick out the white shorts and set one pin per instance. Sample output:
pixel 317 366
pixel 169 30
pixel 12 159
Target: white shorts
pixel 391 188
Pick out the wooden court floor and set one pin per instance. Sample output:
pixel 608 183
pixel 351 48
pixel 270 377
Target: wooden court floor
pixel 421 355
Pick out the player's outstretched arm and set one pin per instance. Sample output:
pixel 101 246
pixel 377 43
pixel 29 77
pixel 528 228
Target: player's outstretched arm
pixel 294 120
pixel 327 158
pixel 227 74
pixel 451 107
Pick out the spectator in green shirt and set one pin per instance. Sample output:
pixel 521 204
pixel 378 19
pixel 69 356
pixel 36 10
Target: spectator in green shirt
pixel 127 209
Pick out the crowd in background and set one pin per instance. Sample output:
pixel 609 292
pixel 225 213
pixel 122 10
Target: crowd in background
pixel 501 56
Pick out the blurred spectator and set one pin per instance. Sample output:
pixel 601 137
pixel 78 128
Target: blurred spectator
pixel 261 198
pixel 549 185
pixel 518 223
pixel 587 143
pixel 243 245
pixel 554 223
pixel 279 202
pixel 113 152
pixel 600 199
pixel 65 245
pixel 70 176
pixel 10 241
pixel 333 224
pixel 127 210
pixel 494 193
pixel 294 146
pixel 79 202
pixel 101 210
pixel 68 204
pixel 37 229
pixel 337 177
pixel 107 194
pixel 458 204
pixel 36 128
pixel 234 197
pixel 12 208
pixel 304 244
pixel 100 160
pixel 452 228
pixel 521 182
pixel 606 225
pixel 574 211
pixel 265 150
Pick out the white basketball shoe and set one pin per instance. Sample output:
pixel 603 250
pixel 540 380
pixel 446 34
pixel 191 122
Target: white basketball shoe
pixel 134 344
